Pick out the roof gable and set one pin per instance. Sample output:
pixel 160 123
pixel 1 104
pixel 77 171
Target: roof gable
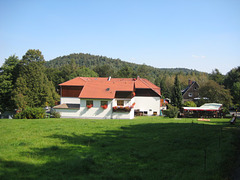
pixel 194 83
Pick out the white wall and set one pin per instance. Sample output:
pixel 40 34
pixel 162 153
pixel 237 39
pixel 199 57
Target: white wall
pixel 69 100
pixel 149 104
pixel 69 112
pixel 127 102
pixel 123 115
pixel 96 111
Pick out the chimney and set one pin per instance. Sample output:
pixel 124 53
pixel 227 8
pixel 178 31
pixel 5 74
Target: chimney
pixel 109 78
pixel 138 77
pixel 189 82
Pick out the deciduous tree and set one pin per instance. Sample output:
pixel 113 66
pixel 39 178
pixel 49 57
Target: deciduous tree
pixel 216 93
pixel 232 81
pixel 217 76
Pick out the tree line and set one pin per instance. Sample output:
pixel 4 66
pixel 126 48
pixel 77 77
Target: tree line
pixel 33 82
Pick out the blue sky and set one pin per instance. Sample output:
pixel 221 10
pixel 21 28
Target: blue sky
pixel 194 34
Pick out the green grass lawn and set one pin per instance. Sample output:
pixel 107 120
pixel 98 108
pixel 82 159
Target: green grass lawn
pixel 142 148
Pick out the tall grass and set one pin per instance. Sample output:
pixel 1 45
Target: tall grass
pixel 143 148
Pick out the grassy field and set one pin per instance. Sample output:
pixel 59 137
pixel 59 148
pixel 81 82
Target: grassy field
pixel 143 148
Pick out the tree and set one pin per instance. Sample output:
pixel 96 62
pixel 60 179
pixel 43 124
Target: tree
pixel 189 104
pixel 216 93
pixel 231 82
pixel 32 55
pixel 83 72
pixel 32 87
pixel 144 71
pixel 125 72
pixel 8 75
pixel 104 70
pixel 177 94
pixel 236 92
pixel 165 89
pixel 217 76
pixel 232 77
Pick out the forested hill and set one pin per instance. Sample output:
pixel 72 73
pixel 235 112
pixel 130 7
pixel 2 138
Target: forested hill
pixel 93 61
pixel 67 67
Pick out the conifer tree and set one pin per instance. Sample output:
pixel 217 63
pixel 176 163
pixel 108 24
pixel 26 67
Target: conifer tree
pixel 177 94
pixel 32 87
pixel 8 75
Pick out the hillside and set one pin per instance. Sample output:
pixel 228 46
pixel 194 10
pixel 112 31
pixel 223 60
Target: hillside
pixel 92 61
pixel 67 67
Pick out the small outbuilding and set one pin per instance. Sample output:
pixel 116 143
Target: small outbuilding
pixel 208 110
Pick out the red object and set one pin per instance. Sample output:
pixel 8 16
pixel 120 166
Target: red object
pixel 132 106
pixel 89 106
pixel 104 106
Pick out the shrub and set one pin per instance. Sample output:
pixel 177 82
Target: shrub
pixel 225 111
pixel 171 112
pixel 55 114
pixel 31 113
pixel 189 104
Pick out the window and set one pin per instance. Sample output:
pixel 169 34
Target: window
pixel 89 102
pixel 190 94
pixel 120 102
pixel 104 103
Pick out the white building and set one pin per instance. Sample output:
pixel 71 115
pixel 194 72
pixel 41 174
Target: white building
pixel 108 98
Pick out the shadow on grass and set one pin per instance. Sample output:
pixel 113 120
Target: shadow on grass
pixel 146 151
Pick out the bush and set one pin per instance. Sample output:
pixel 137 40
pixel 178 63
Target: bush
pixel 171 112
pixel 189 104
pixel 31 113
pixel 55 114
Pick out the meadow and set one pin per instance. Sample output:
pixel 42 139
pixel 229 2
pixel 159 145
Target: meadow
pixel 142 148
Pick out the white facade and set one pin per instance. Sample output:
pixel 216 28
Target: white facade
pixel 123 115
pixel 149 105
pixel 69 100
pixel 71 113
pixel 96 111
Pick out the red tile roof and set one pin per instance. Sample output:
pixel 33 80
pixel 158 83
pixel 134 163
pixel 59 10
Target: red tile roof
pixel 78 81
pixel 105 90
pixel 98 87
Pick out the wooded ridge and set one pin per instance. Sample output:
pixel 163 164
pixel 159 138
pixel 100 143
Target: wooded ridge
pixel 92 61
